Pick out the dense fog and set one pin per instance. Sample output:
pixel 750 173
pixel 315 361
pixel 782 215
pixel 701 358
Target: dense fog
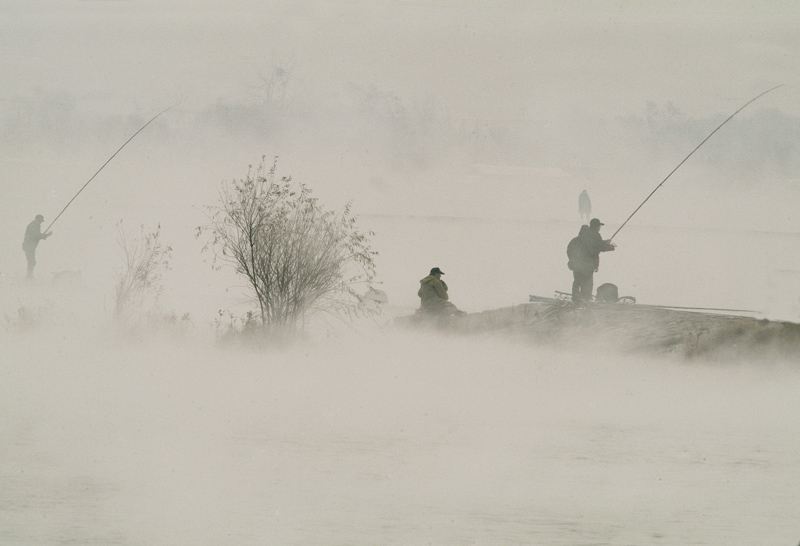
pixel 461 134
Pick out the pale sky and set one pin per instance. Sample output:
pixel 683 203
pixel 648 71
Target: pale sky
pixel 483 59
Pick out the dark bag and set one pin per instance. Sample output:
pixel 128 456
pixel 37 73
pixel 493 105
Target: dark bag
pixel 608 293
pixel 574 251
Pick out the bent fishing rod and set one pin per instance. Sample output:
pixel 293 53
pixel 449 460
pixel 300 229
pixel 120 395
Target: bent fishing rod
pixel 690 155
pixel 104 164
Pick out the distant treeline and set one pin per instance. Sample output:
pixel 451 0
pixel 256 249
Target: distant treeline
pixel 762 144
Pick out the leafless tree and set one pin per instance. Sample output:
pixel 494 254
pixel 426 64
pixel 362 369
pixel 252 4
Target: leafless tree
pixel 297 257
pixel 273 87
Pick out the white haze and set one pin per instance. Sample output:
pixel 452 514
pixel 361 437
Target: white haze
pixel 462 133
pixel 384 437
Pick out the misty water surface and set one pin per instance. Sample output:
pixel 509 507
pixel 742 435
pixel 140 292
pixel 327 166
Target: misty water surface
pixel 377 436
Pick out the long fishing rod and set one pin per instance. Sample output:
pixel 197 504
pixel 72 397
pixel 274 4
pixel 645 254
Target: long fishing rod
pixel 690 155
pixel 104 164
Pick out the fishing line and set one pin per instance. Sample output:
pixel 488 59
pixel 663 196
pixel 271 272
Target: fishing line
pixel 690 155
pixel 104 164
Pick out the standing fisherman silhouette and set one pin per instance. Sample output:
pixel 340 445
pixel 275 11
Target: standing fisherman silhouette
pixel 33 234
pixel 584 207
pixel 584 259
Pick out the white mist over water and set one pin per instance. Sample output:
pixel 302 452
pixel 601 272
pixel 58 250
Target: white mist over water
pixel 375 435
pixel 390 438
pixel 463 135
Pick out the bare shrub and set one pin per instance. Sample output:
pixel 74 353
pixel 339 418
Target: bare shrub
pixel 231 328
pixel 145 258
pixel 28 318
pixel 298 259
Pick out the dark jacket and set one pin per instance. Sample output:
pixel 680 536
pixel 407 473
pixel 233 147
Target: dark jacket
pixel 33 234
pixel 595 245
pixel 578 252
pixel 584 250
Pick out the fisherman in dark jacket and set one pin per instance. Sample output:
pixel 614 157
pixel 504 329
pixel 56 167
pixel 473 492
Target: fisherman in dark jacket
pixel 584 259
pixel 433 295
pixel 33 234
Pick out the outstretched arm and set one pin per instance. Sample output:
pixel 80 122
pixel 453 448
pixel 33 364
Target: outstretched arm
pixel 608 246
